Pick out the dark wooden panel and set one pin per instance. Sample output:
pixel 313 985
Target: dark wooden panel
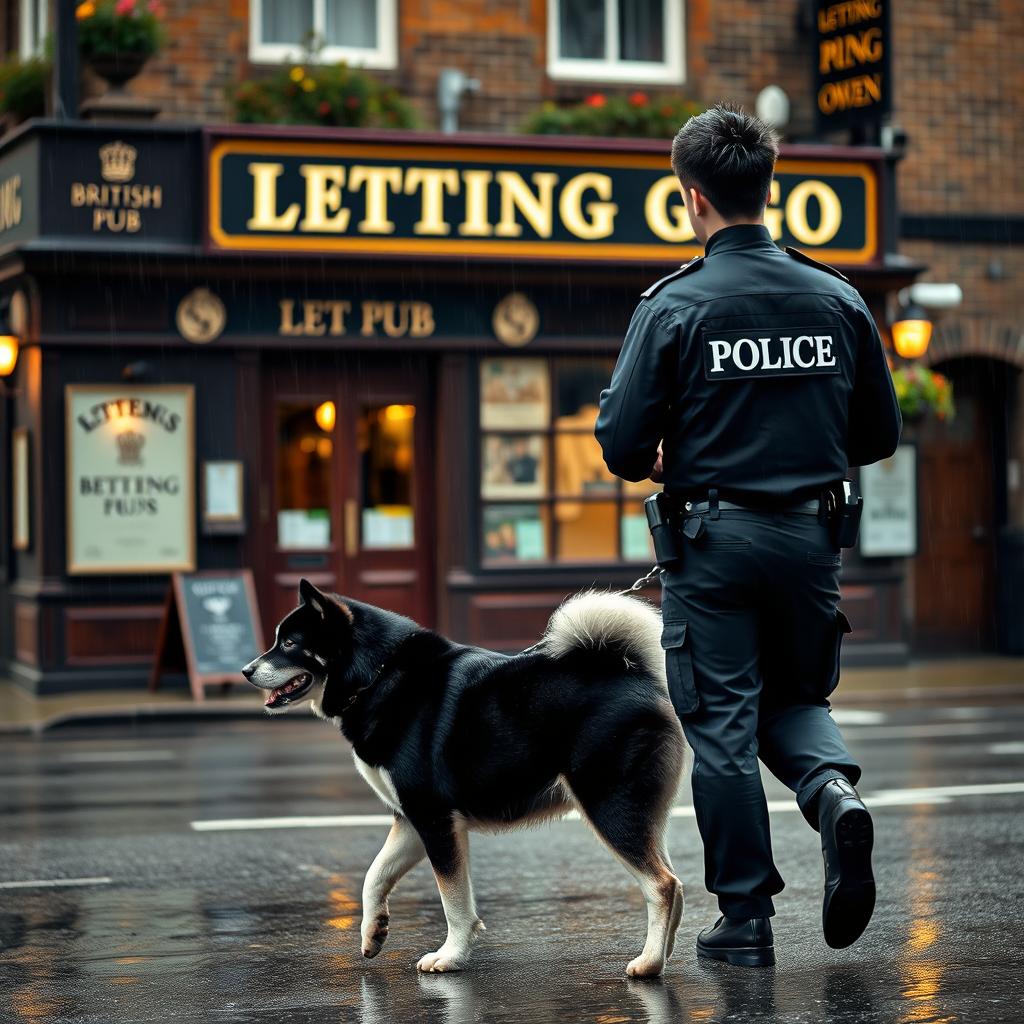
pixel 510 621
pixel 111 634
pixel 26 633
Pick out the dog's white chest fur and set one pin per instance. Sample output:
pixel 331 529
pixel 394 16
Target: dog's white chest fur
pixel 379 781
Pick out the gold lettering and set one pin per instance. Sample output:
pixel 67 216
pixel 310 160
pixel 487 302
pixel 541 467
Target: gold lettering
pixel 92 195
pixel 288 325
pixel 77 194
pixel 433 183
pixel 861 91
pixel 158 197
pixel 477 223
pixel 600 217
pixel 324 211
pixel 849 13
pixel 10 202
pixel 338 313
pixel 667 222
pixel 422 320
pixel 377 181
pixel 516 195
pixel 848 51
pixel 830 209
pixel 264 205
pixel 373 313
pixel 313 319
pixel 773 218
pixel 396 326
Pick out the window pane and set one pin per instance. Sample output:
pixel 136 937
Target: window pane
pixel 641 30
pixel 581 29
pixel 351 23
pixel 514 394
pixel 513 466
pixel 636 537
pixel 515 533
pixel 580 468
pixel 587 531
pixel 580 382
pixel 386 460
pixel 304 450
pixel 286 21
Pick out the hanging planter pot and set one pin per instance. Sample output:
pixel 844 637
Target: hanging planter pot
pixel 118 68
pixel 117 37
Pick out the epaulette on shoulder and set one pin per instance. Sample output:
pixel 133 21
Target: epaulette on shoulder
pixel 804 258
pixel 686 268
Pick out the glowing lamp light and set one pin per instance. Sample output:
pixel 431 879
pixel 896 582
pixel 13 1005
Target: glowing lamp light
pixel 326 416
pixel 8 354
pixel 911 332
pixel 398 413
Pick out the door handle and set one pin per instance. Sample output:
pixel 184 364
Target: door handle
pixel 351 528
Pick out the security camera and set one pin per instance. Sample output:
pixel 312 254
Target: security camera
pixel 933 295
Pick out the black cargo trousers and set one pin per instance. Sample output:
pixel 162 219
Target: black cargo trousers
pixel 752 635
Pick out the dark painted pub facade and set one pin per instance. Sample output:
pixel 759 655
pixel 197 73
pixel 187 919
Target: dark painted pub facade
pixel 371 360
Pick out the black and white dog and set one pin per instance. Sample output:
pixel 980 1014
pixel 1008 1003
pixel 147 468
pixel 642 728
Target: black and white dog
pixel 454 737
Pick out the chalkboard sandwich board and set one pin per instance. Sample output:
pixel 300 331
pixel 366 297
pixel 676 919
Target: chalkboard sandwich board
pixel 211 628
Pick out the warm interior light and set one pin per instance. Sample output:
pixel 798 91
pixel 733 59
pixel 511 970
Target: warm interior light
pixel 326 416
pixel 8 354
pixel 396 413
pixel 910 338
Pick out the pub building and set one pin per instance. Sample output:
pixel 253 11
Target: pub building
pixel 368 359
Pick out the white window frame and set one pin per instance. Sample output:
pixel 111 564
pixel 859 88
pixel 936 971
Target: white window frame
pixel 672 70
pixel 384 56
pixel 32 37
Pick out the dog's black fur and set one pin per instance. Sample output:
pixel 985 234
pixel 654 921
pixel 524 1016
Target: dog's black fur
pixel 471 736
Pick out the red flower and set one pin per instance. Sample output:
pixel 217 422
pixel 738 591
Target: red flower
pixel 155 8
pixel 666 110
pixel 595 100
pixel 352 102
pixel 124 7
pixel 324 108
pixel 638 99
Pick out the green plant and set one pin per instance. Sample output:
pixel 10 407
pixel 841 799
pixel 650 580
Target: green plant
pixel 634 116
pixel 23 86
pixel 325 94
pixel 109 28
pixel 920 391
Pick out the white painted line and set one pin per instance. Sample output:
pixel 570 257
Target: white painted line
pixel 54 883
pixel 908 732
pixel 1015 747
pixel 854 716
pixel 116 756
pixel 883 798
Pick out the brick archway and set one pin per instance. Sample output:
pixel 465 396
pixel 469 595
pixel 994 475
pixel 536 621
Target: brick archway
pixel 993 339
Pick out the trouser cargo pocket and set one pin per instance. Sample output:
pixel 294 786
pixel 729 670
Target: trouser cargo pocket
pixel 679 667
pixel 842 628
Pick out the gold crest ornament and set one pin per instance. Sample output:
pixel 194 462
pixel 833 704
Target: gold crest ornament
pixel 201 316
pixel 515 320
pixel 117 161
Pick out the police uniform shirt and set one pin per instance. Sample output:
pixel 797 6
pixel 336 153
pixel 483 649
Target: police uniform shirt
pixel 761 372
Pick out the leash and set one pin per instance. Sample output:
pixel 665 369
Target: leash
pixel 648 579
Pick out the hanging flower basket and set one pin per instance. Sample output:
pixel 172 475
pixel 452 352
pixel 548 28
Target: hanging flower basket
pixel 922 392
pixel 637 116
pixel 117 37
pixel 23 88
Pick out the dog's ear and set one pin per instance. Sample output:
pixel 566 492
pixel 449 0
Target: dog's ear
pixel 327 606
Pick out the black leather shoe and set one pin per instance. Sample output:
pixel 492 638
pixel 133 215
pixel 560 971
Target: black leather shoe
pixel 847 836
pixel 743 943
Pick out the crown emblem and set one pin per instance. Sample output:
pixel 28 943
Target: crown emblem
pixel 129 447
pixel 117 161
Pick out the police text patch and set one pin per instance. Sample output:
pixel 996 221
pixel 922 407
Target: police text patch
pixel 771 352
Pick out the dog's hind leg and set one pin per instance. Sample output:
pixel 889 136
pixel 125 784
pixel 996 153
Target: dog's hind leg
pixel 626 801
pixel 448 849
pixel 402 850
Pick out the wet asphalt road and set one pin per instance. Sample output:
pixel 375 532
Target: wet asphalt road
pixel 168 922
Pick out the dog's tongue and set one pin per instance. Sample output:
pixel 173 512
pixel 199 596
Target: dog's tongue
pixel 274 694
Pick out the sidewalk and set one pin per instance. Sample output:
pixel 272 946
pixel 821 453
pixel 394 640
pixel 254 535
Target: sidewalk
pixel 972 680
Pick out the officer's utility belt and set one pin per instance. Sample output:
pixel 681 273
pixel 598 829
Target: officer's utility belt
pixel 672 522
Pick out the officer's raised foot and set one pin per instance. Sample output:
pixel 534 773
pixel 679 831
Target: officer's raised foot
pixel 847 837
pixel 743 943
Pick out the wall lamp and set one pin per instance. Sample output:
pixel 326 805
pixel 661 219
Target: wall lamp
pixel 10 343
pixel 911 332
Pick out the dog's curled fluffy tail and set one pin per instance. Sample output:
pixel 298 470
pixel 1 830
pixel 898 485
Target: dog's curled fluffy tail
pixel 601 621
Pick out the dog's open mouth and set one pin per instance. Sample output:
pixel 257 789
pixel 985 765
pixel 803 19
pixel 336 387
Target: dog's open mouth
pixel 292 690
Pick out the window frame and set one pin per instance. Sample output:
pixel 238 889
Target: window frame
pixel 550 499
pixel 32 38
pixel 383 57
pixel 670 71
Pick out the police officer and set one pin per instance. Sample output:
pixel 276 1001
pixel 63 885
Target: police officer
pixel 750 379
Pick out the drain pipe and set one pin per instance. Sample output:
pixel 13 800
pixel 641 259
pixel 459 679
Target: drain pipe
pixel 451 85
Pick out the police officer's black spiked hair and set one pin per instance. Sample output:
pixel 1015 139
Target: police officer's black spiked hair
pixel 730 156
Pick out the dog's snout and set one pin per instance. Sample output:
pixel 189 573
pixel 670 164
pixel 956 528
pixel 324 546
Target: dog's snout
pixel 249 670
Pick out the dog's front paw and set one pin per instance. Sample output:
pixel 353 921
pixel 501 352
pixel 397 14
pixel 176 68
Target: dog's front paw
pixel 645 967
pixel 374 933
pixel 445 959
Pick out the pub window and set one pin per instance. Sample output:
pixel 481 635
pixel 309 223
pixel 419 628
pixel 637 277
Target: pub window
pixel 616 40
pixel 546 494
pixel 32 17
pixel 359 32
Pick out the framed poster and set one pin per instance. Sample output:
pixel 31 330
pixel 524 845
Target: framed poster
pixel 21 483
pixel 514 394
pixel 222 492
pixel 130 478
pixel 888 528
pixel 514 466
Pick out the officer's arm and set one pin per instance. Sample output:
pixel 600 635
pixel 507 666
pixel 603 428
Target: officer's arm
pixel 634 406
pixel 875 421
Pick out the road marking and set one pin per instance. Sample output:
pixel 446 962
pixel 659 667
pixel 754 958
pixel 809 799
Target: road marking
pixel 1015 747
pixel 907 732
pixel 54 883
pixel 883 798
pixel 854 716
pixel 118 756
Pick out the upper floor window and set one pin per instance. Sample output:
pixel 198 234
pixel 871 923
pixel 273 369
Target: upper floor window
pixel 33 21
pixel 359 32
pixel 616 40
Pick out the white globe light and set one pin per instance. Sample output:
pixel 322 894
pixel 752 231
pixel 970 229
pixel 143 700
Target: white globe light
pixel 772 106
